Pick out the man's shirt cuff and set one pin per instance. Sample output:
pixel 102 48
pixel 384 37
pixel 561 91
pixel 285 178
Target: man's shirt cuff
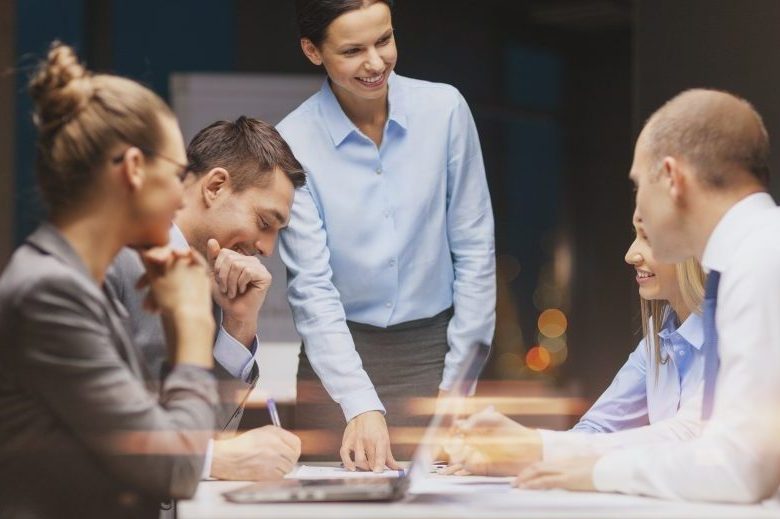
pixel 206 474
pixel 614 471
pixel 237 359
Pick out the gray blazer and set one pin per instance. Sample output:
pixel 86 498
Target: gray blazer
pixel 149 337
pixel 82 433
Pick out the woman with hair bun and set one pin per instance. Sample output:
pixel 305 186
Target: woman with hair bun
pixel 82 432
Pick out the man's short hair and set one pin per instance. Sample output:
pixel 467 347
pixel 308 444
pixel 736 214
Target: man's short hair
pixel 720 134
pixel 249 149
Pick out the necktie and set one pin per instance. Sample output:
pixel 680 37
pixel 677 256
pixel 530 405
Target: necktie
pixel 711 357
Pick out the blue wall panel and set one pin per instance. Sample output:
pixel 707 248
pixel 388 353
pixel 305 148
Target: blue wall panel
pixel 38 23
pixel 534 151
pixel 150 39
pixel 153 38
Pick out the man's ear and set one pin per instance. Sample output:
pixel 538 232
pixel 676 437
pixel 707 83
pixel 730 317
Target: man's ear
pixel 214 184
pixel 133 169
pixel 675 174
pixel 311 51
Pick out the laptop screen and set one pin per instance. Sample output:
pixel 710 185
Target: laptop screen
pixel 442 419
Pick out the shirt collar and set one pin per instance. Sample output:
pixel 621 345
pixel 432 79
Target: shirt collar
pixel 691 330
pixel 340 126
pixel 731 230
pixel 177 239
pixel 397 100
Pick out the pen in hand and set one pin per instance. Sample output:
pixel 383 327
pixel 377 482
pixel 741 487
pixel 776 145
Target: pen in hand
pixel 271 403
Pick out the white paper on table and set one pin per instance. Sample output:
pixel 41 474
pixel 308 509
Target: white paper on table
pixel 437 484
pixel 312 472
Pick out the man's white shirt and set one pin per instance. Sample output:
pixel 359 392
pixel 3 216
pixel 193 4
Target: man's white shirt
pixel 737 456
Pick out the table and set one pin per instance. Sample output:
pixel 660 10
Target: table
pixel 479 501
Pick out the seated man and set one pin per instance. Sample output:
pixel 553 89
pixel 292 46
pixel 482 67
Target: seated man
pixel 701 168
pixel 238 190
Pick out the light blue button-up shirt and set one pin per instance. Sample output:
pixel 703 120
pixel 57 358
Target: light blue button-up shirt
pixel 636 396
pixel 390 234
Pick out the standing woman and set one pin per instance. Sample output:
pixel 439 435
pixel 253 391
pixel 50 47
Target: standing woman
pixel 83 431
pixel 390 249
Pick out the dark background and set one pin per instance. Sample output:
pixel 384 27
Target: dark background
pixel 559 90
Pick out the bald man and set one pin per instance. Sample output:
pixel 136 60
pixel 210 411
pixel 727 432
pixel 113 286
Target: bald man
pixel 701 173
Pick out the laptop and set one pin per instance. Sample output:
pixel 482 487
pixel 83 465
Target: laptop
pixel 371 488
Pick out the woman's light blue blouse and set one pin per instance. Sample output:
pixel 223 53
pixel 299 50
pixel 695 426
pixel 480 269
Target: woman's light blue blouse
pixel 389 234
pixel 636 396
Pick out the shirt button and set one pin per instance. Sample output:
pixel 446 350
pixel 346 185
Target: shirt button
pixel 392 263
pixel 378 171
pixel 388 304
pixel 387 214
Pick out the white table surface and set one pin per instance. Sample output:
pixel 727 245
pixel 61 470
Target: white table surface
pixel 497 501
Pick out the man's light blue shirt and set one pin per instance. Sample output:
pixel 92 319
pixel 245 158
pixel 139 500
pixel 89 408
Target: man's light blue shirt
pixel 638 397
pixel 390 234
pixel 231 354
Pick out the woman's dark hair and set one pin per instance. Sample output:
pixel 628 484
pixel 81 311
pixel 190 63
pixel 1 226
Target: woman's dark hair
pixel 315 16
pixel 80 117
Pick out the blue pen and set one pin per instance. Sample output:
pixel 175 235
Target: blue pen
pixel 271 403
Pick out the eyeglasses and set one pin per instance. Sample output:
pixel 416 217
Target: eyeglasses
pixel 182 169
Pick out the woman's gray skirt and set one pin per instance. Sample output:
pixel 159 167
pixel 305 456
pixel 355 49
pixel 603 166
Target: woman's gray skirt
pixel 405 362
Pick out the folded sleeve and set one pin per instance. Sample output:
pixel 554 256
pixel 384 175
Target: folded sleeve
pixel 319 315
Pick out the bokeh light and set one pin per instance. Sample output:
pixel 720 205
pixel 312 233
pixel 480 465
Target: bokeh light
pixel 553 344
pixel 538 358
pixel 556 347
pixel 552 323
pixel 559 357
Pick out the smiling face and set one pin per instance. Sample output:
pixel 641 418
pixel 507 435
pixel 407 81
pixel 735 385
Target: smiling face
pixel 358 52
pixel 656 280
pixel 248 221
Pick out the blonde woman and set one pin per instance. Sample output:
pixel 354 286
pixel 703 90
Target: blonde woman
pixel 656 395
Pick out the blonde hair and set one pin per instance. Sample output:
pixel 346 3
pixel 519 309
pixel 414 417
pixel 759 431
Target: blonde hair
pixel 80 117
pixel 690 280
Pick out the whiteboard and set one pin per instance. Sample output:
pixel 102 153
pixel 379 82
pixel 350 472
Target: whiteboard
pixel 199 99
